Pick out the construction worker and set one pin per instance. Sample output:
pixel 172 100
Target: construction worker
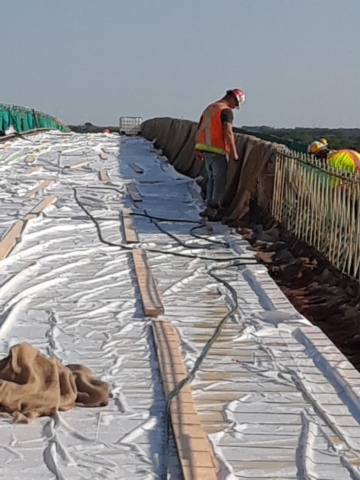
pixel 344 160
pixel 215 143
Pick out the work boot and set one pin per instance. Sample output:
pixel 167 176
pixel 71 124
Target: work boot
pixel 216 215
pixel 206 212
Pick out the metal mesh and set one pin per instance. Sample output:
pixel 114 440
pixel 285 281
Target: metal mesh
pixel 130 125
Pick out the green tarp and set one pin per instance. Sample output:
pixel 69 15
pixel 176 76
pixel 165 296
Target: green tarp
pixel 23 119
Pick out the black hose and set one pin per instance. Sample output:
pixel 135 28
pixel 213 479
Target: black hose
pixel 154 250
pixel 174 237
pixel 188 379
pixel 235 262
pixel 161 219
pixel 231 263
pixel 215 242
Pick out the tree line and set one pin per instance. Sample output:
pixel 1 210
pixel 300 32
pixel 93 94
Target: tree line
pixel 338 138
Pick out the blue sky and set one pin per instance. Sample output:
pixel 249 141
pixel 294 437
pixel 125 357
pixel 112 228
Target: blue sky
pixel 95 60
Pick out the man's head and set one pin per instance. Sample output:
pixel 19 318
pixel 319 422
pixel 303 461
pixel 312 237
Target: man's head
pixel 234 98
pixel 322 155
pixel 319 149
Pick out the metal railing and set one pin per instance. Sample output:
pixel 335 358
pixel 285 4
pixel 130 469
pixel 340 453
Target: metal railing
pixel 319 205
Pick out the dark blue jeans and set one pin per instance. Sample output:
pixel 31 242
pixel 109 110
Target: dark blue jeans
pixel 216 167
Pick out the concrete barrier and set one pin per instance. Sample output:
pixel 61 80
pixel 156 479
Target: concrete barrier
pixel 249 178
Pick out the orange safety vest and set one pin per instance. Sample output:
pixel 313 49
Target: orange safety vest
pixel 210 135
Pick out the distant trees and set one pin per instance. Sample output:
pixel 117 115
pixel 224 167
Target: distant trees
pixel 338 138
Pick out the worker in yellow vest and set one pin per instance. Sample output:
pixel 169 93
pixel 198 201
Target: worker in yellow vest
pixel 344 160
pixel 215 142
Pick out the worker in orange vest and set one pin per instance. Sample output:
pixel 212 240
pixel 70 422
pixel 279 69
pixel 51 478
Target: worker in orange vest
pixel 215 143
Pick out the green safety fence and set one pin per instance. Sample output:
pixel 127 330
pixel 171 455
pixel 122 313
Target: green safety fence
pixel 23 119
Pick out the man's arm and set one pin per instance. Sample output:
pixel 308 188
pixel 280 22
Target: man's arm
pixel 230 140
pixel 227 118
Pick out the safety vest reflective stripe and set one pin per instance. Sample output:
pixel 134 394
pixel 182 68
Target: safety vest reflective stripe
pixel 208 114
pixel 355 159
pixel 209 148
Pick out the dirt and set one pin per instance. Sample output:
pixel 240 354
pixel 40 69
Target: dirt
pixel 329 299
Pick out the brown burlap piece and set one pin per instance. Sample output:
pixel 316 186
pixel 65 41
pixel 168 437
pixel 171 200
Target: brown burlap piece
pixel 256 177
pixel 32 385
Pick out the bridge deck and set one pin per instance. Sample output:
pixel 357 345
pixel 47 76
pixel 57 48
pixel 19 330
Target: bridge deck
pixel 276 399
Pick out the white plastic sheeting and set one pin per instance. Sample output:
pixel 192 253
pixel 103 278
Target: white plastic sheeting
pixel 267 393
pixel 277 398
pixel 76 299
